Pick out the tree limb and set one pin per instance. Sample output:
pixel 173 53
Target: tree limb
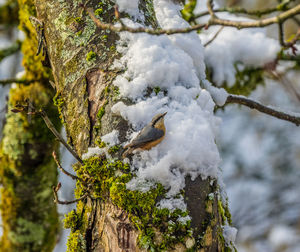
pixel 238 99
pixel 280 7
pixel 18 81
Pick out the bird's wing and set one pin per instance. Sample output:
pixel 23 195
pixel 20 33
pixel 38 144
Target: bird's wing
pixel 148 134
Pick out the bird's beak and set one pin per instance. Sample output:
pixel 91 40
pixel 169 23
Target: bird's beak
pixel 164 114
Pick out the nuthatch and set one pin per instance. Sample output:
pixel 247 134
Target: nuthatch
pixel 151 135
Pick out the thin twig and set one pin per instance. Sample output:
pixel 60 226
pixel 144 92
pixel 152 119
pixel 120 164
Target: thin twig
pixel 214 37
pixel 281 34
pixel 30 109
pixel 19 81
pixel 209 5
pixel 262 108
pixel 259 23
pixel 50 125
pixel 214 20
pixel 237 10
pixel 62 169
pixel 57 201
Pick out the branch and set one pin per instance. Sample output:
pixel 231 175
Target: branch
pixel 214 37
pixel 57 201
pixel 5 52
pixel 62 169
pixel 214 20
pixel 259 23
pixel 264 109
pixel 30 109
pixel 280 7
pixel 111 27
pixel 19 81
pixel 50 125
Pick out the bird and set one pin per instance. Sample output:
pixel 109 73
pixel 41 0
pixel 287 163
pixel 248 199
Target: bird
pixel 151 135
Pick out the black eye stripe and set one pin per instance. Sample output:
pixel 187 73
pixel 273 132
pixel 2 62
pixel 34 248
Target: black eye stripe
pixel 156 120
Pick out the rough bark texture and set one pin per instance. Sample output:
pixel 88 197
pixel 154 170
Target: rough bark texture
pixel 80 56
pixel 27 171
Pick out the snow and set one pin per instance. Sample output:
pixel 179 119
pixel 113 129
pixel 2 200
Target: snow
pixel 229 234
pixel 175 64
pixel 261 171
pixel 111 138
pixel 93 151
pixel 248 47
pixel 129 6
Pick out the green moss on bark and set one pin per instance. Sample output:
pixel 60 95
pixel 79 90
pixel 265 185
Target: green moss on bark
pixel 159 229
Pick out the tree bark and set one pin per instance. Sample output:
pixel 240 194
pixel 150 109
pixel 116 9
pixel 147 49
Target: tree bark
pixel 114 218
pixel 27 170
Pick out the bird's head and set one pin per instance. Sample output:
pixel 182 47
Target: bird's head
pixel 158 119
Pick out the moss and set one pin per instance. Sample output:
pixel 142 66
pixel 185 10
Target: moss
pixel 78 20
pixel 58 101
pixel 224 212
pixel 101 113
pixel 246 80
pixel 188 10
pixel 91 56
pixel 107 181
pixel 114 149
pixel 98 12
pixel 156 90
pixel 71 220
pixel 76 242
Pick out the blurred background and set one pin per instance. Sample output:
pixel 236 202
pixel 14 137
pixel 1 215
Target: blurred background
pixel 261 154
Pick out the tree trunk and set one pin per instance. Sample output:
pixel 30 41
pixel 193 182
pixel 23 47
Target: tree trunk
pixel 29 216
pixel 113 218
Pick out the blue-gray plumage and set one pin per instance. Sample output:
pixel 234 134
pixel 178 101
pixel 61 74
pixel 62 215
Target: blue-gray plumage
pixel 151 135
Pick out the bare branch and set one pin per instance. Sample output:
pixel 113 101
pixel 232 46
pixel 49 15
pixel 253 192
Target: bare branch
pixel 209 5
pixel 50 125
pixel 57 201
pixel 62 169
pixel 290 117
pixel 111 27
pixel 5 52
pixel 214 37
pixel 237 10
pixel 259 23
pixel 30 109
pixel 18 81
pixel 214 20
